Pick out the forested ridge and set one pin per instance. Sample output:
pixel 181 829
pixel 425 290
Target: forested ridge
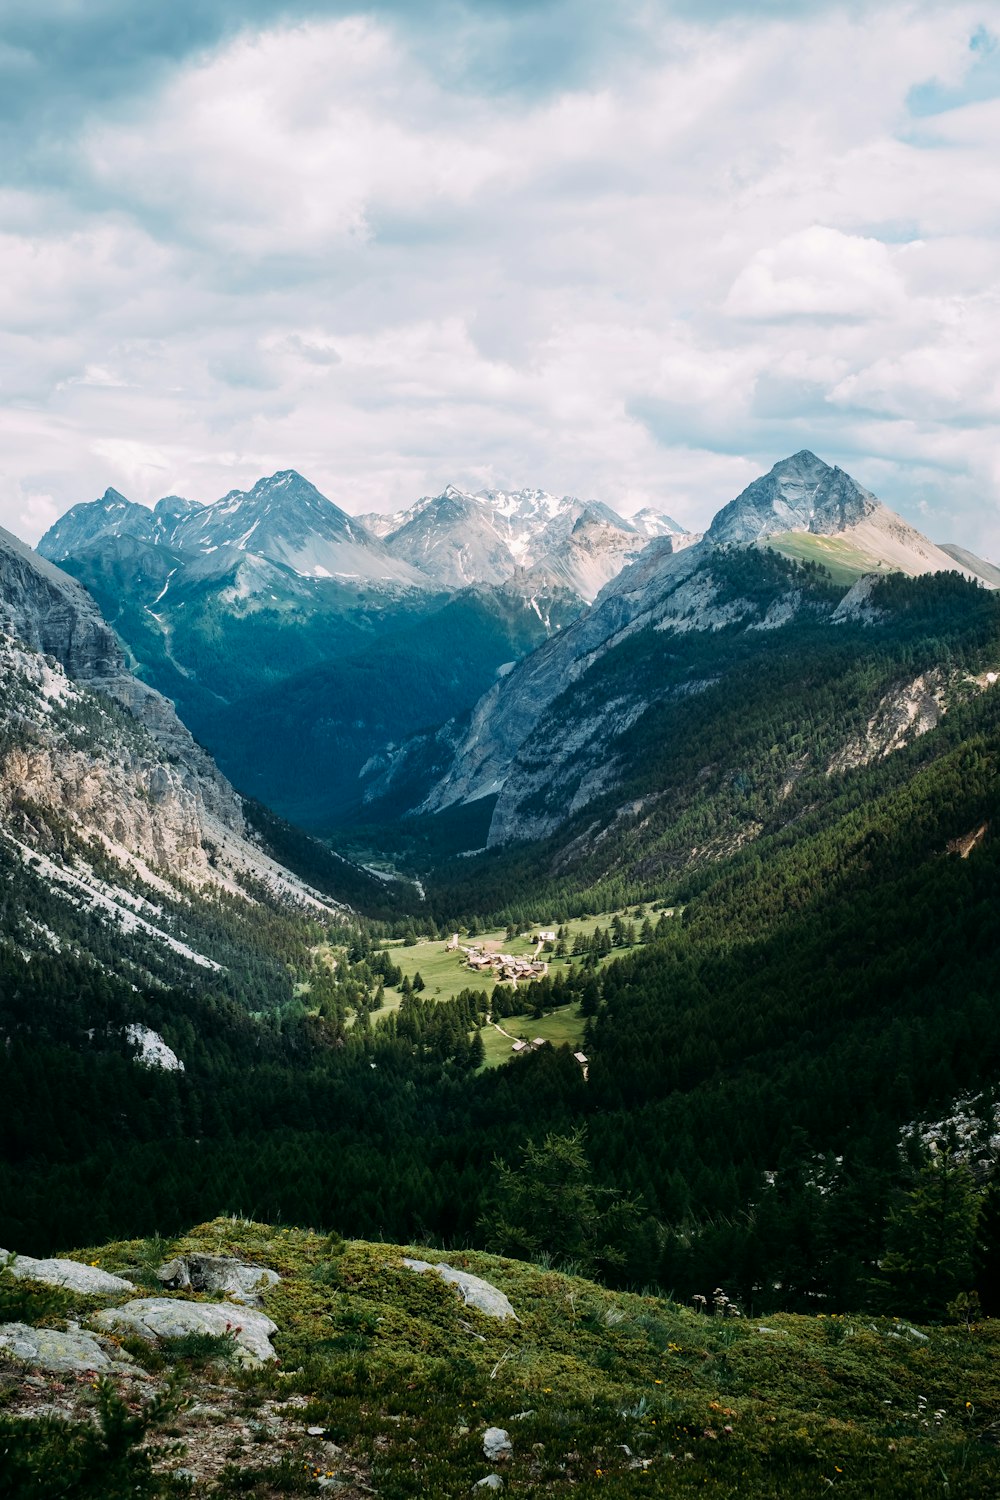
pixel 747 731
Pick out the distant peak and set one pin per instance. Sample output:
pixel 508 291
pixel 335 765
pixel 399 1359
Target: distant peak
pixel 112 496
pixel 800 493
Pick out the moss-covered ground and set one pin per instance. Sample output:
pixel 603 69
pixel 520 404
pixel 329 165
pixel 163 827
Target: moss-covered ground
pixel 602 1392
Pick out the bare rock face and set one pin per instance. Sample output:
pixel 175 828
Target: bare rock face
pixel 152 1318
pixel 70 1351
pixel 93 750
pixel 800 493
pixel 51 613
pixel 66 1273
pixel 218 1273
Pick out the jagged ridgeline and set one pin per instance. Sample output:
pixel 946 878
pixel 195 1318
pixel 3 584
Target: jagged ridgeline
pixel 297 641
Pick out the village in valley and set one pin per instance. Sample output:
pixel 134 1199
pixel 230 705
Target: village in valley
pixel 509 963
pixel 506 966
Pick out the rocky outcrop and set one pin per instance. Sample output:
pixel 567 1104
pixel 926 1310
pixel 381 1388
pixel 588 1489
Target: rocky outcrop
pixel 218 1274
pixel 153 1318
pixel 497 1444
pixel 63 1351
pixel 52 614
pixel 71 1274
pixel 474 1291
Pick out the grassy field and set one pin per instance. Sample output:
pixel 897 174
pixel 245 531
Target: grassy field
pixel 845 563
pixel 445 973
pixel 558 1027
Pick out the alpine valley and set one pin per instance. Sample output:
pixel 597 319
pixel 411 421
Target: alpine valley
pixel 594 921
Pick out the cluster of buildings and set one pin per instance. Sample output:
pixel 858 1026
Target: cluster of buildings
pixel 504 965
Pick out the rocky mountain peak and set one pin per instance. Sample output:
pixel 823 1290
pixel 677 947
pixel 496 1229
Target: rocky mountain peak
pixel 800 493
pixel 656 523
pixel 93 520
pixel 173 507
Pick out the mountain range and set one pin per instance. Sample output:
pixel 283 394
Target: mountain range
pixel 259 612
pixel 546 735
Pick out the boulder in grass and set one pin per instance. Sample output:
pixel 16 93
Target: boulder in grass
pixel 154 1318
pixel 219 1275
pixel 71 1274
pixel 71 1351
pixel 497 1444
pixel 474 1291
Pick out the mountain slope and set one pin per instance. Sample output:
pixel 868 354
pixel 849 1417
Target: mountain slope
pixel 987 571
pixel 676 593
pixel 112 818
pixel 401 1390
pixel 454 540
pixel 588 556
pixel 301 744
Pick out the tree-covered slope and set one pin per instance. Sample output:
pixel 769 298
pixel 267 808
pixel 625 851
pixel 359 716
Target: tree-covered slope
pixel 300 744
pixel 673 751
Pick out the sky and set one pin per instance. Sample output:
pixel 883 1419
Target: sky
pixel 633 252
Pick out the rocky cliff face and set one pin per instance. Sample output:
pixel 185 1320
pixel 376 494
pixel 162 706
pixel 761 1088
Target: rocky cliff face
pixel 801 493
pixel 103 792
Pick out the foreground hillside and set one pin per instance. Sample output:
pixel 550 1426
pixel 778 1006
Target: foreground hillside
pixel 386 1383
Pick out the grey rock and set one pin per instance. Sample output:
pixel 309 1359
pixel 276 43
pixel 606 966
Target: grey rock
pixel 475 1292
pixel 173 1317
pixel 219 1274
pixel 66 1273
pixel 491 1482
pixel 61 1351
pixel 497 1443
pixel 800 493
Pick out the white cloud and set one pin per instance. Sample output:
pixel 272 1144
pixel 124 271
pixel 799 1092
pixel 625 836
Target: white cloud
pixel 818 273
pixel 308 248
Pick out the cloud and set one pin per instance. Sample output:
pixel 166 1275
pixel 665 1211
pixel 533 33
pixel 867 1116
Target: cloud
pixel 818 273
pixel 634 252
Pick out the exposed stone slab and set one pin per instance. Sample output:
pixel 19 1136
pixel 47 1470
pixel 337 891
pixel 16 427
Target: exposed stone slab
pixel 219 1275
pixel 172 1317
pixel 60 1351
pixel 66 1273
pixel 475 1292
